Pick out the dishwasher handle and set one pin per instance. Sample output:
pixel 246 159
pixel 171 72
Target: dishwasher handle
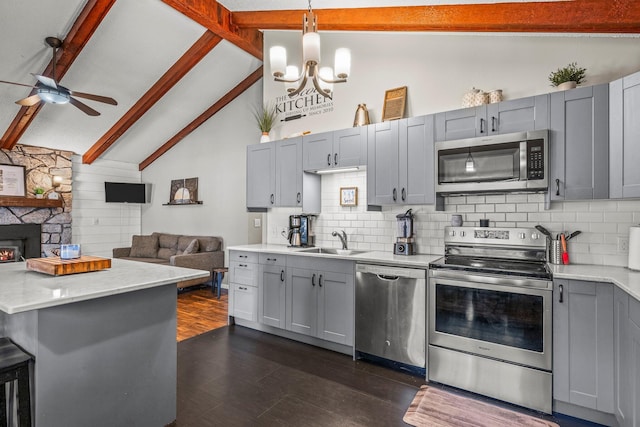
pixel 387 277
pixel 387 272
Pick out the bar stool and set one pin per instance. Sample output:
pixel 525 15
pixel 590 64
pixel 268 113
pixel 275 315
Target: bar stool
pixel 14 365
pixel 216 279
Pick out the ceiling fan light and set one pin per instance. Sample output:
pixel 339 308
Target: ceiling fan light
pixel 278 60
pixel 343 63
pixel 52 96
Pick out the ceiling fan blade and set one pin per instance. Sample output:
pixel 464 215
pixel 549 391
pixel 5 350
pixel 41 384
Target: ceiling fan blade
pixel 17 84
pixel 84 107
pixel 47 81
pixel 29 101
pixel 92 97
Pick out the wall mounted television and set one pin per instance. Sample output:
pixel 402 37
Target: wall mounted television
pixel 125 192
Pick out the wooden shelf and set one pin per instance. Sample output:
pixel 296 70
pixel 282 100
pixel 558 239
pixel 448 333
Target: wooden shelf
pixel 198 202
pixel 29 202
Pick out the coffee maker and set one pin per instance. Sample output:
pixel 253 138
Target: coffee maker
pixel 294 237
pixel 302 230
pixel 405 244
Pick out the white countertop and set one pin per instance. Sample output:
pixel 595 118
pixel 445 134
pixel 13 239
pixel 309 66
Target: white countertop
pixel 625 279
pixel 420 260
pixel 24 290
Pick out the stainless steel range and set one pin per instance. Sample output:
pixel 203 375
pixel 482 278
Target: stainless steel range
pixel 490 302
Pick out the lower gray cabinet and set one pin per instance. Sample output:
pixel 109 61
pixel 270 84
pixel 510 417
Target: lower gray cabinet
pixel 272 296
pixel 627 359
pixel 320 301
pixel 583 356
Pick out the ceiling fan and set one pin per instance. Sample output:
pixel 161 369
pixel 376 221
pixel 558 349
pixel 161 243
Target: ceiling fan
pixel 49 91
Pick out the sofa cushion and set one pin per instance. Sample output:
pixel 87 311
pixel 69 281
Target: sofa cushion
pixel 166 253
pixel 193 247
pixel 167 241
pixel 144 246
pixel 209 244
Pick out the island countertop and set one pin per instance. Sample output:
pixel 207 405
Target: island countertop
pixel 25 290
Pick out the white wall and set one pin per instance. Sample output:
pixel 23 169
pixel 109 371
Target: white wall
pixel 98 226
pixel 438 69
pixel 215 153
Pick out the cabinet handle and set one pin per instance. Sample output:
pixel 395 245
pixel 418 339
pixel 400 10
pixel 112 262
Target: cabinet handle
pixel 272 259
pixel 395 195
pixel 298 197
pixel 329 159
pixel 313 280
pixel 241 288
pixel 320 281
pixel 481 125
pixel 272 198
pixel 335 159
pixel 404 194
pixel 557 187
pixel 242 265
pixel 561 289
pixel 493 124
pixel 242 256
pixel 282 275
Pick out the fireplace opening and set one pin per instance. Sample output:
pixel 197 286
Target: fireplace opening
pixel 9 253
pixel 21 240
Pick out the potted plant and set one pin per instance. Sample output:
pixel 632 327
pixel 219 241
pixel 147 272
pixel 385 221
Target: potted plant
pixel 266 119
pixel 567 77
pixel 39 192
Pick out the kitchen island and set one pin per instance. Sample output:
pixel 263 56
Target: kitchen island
pixel 104 342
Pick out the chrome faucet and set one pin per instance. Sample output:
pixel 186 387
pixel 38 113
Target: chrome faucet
pixel 342 237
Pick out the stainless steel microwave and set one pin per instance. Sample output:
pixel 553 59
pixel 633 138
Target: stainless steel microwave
pixel 495 164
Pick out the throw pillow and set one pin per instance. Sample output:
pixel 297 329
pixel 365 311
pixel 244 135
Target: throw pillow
pixel 193 247
pixel 144 246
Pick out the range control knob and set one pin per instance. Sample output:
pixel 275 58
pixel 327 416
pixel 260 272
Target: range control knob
pixel 452 233
pixel 462 234
pixel 535 236
pixel 522 236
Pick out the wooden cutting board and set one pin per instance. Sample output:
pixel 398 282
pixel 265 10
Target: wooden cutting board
pixel 60 267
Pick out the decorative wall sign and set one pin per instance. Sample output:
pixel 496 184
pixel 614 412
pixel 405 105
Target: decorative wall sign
pixel 184 192
pixel 12 181
pixel 394 102
pixel 348 196
pixel 305 104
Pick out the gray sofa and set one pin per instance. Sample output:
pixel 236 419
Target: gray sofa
pixel 199 252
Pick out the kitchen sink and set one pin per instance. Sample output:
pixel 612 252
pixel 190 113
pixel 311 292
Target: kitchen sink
pixel 333 251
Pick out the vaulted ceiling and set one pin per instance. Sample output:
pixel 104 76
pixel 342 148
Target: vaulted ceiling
pixel 172 64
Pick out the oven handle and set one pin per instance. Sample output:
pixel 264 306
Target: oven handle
pixel 506 281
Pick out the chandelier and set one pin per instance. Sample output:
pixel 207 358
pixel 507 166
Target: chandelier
pixel 322 78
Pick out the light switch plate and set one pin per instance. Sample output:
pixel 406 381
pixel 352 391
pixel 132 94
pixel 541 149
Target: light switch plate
pixel 257 223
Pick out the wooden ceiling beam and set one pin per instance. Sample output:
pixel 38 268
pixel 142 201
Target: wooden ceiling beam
pixel 81 31
pixel 578 16
pixel 218 19
pixel 219 105
pixel 187 61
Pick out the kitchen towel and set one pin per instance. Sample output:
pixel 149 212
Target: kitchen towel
pixel 634 247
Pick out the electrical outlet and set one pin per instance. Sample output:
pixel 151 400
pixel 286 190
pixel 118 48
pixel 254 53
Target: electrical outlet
pixel 283 231
pixel 623 244
pixel 256 222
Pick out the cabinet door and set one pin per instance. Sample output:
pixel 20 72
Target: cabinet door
pixel 583 344
pixel 245 302
pixel 634 368
pixel 261 175
pixel 382 163
pixel 335 307
pixel 302 301
pixel 518 115
pixel 462 123
pixel 624 155
pixel 622 366
pixel 317 151
pixel 272 296
pixel 350 147
pixel 289 172
pixel 416 161
pixel 579 144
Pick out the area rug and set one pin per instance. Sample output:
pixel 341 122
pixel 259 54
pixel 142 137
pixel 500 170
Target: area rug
pixel 434 407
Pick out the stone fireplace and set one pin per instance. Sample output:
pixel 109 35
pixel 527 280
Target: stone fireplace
pixel 19 241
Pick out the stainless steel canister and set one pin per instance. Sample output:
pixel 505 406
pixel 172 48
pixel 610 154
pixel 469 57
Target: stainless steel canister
pixel 555 251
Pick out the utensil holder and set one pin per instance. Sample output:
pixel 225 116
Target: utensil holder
pixel 555 252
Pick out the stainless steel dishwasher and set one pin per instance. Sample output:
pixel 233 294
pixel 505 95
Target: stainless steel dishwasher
pixel 391 315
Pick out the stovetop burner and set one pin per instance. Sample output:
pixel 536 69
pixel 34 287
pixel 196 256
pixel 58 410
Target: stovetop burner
pixel 494 266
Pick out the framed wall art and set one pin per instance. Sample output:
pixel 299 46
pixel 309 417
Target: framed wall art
pixel 394 102
pixel 348 196
pixel 12 181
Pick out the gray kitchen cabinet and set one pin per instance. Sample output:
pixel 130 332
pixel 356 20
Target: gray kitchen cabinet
pixel 627 355
pixel 271 310
pixel 579 144
pixel 583 356
pixel 275 177
pixel 243 285
pixel 400 168
pixel 320 299
pixel 518 115
pixel 624 137
pixel 337 149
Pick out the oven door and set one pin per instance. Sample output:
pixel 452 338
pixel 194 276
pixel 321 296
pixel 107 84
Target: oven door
pixel 500 317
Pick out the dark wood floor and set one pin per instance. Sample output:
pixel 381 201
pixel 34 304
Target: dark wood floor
pixel 234 376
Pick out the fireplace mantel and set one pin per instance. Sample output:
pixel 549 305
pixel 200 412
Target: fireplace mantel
pixel 13 201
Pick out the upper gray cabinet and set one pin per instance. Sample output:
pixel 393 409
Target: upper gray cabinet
pixel 516 115
pixel 400 162
pixel 579 144
pixel 275 177
pixel 339 149
pixel 624 154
